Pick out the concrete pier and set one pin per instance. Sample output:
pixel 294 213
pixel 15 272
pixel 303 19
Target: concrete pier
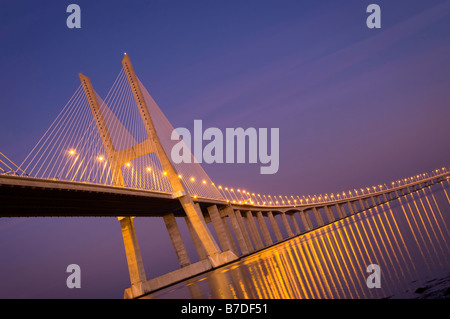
pixel 245 233
pixel 275 227
pixel 340 211
pixel 254 233
pixel 177 241
pixel 201 252
pixel 294 222
pixel 223 215
pixel 372 198
pixel 361 204
pixel 219 227
pixel 305 220
pixel 286 225
pixel 318 217
pixel 350 208
pixel 237 231
pixel 134 257
pixel 329 214
pixel 263 227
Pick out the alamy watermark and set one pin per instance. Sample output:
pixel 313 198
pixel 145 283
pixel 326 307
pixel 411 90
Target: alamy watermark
pixel 74 279
pixel 235 145
pixel 374 279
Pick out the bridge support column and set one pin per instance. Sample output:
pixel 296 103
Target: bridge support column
pixel 350 208
pixel 201 252
pixel 373 201
pixel 340 211
pixel 329 213
pixel 237 231
pixel 361 204
pixel 286 224
pixel 177 240
pixel 396 194
pixel 305 220
pixel 385 198
pixel 245 233
pixel 274 224
pixel 215 256
pixel 219 227
pixel 253 230
pixel 367 203
pixel 318 217
pixel 264 229
pixel 355 209
pixel 133 254
pixel 223 216
pixel 294 222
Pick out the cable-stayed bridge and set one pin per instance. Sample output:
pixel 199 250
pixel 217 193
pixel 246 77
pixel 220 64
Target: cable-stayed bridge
pixel 111 157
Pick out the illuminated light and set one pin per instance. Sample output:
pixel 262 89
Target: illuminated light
pixel 165 173
pixel 195 196
pixel 220 187
pixel 179 176
pixel 234 201
pixel 128 164
pixel 100 158
pixel 239 190
pixel 226 188
pixel 232 190
pixel 192 179
pixel 149 169
pixel 72 152
pixel 204 182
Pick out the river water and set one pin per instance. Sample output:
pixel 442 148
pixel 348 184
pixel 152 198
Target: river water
pixel 408 239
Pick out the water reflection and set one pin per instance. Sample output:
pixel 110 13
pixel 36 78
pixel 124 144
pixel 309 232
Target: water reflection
pixel 408 239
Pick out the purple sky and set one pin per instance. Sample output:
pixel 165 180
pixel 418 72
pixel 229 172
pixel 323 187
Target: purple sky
pixel 355 106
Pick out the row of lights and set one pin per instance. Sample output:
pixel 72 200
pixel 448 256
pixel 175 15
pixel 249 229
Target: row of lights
pixel 101 158
pixel 317 198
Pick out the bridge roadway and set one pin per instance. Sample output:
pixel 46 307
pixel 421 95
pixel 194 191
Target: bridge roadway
pixel 247 231
pixel 35 197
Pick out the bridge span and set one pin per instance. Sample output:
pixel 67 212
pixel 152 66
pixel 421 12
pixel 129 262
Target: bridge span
pixel 241 229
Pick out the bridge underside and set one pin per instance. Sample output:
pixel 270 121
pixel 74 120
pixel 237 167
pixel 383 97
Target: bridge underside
pixel 52 199
pixel 27 197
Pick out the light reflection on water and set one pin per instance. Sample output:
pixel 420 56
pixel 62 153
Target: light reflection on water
pixel 408 238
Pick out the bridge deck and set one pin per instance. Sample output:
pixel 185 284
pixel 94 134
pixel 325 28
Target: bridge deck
pixel 33 197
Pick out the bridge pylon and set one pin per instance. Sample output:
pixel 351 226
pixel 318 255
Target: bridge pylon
pixel 151 145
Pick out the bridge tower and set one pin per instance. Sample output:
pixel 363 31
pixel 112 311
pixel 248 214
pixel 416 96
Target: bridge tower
pixel 151 145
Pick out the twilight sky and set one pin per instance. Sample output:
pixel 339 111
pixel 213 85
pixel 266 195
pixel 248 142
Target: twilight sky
pixel 355 106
